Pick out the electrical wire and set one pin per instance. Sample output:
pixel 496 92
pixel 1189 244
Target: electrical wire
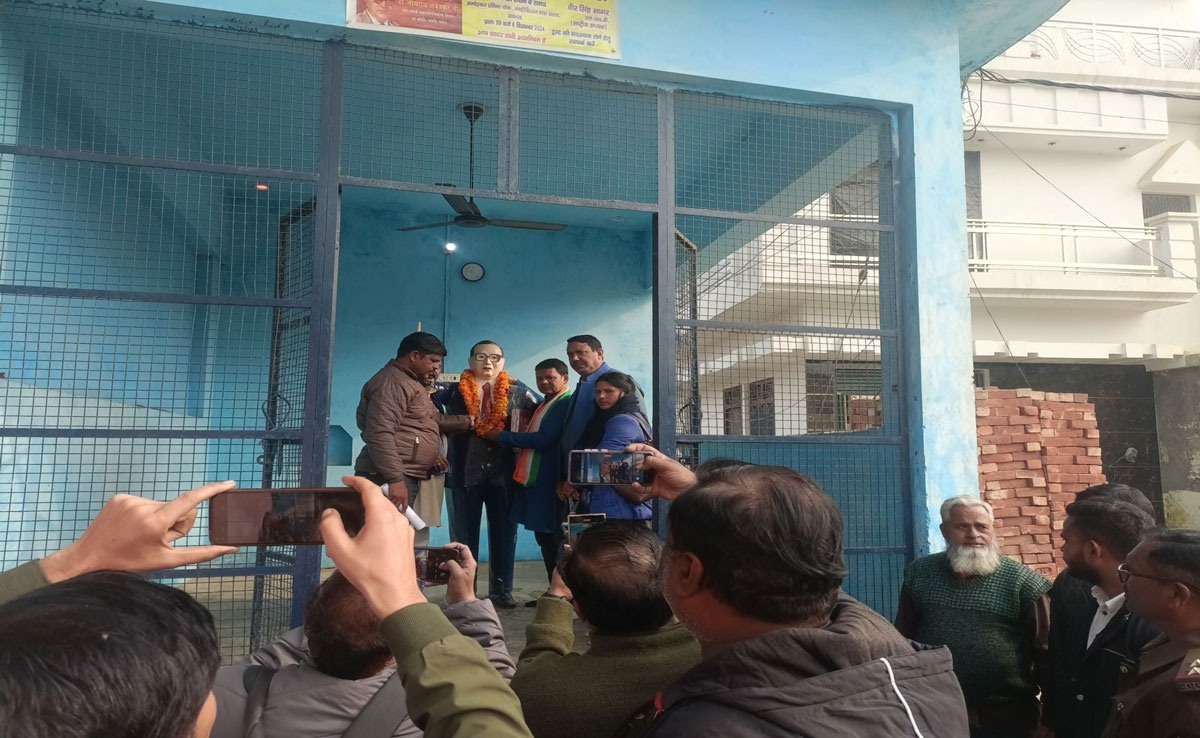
pixel 977 123
pixel 975 109
pixel 1080 205
pixel 991 76
pixel 1005 103
pixel 996 323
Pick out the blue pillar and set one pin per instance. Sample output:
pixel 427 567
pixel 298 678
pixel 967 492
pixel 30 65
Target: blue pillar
pixel 936 311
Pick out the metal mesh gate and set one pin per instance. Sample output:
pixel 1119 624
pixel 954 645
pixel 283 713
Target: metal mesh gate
pixel 169 215
pixel 785 319
pixel 154 330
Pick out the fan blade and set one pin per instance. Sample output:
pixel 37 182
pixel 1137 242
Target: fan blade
pixel 427 225
pixel 462 205
pixel 531 225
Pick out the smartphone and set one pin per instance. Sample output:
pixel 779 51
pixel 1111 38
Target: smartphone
pixel 429 563
pixel 280 517
pixel 577 524
pixel 607 467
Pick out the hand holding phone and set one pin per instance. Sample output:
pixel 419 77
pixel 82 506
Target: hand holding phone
pixel 461 587
pixel 135 534
pixel 602 466
pixel 280 517
pixel 578 523
pixel 379 560
pixel 669 478
pixel 429 563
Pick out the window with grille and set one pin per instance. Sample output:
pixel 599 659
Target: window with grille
pixel 843 398
pixel 762 408
pixel 1153 204
pixel 733 411
pixel 854 200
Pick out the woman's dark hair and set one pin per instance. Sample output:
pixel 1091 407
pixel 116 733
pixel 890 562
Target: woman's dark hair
pixel 557 365
pixel 770 541
pixel 343 633
pixel 423 343
pixel 105 654
pixel 621 381
pixel 612 571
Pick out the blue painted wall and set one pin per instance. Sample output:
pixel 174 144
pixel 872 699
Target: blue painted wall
pixel 540 288
pixel 896 55
pixel 87 363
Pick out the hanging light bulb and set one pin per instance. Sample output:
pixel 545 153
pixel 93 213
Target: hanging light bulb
pixel 451 246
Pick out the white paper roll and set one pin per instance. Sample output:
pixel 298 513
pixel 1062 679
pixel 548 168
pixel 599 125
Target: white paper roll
pixel 413 519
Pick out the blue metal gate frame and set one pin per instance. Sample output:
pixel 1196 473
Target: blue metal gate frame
pixel 304 569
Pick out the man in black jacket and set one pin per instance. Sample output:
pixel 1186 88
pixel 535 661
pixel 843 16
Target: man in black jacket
pixel 753 567
pixel 1090 639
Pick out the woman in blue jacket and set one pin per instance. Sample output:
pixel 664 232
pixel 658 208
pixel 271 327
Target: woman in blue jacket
pixel 617 423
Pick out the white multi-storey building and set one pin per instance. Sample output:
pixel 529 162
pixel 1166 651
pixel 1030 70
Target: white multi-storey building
pixel 1082 156
pixel 1083 167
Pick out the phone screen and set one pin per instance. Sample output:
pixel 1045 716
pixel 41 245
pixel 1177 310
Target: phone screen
pixel 578 523
pixel 429 563
pixel 607 467
pixel 279 517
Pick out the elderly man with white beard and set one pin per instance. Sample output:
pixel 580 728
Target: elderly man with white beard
pixel 993 614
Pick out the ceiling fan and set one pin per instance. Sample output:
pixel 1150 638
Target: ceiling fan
pixel 468 214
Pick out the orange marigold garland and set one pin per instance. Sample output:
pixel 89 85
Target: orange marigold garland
pixel 498 417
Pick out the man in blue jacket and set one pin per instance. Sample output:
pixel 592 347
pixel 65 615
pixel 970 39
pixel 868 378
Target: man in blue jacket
pixel 586 355
pixel 536 506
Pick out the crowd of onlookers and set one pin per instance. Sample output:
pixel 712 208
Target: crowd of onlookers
pixel 735 625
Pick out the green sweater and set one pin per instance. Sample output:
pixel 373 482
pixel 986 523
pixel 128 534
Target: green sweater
pixel 983 619
pixel 450 688
pixel 591 695
pixel 25 578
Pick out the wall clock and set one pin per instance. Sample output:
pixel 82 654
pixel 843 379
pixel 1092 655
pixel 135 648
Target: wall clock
pixel 472 271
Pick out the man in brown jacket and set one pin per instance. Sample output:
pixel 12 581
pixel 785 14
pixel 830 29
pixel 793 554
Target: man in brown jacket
pixel 1159 696
pixel 399 423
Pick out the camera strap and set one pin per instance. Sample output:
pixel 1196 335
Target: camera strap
pixel 382 714
pixel 257 681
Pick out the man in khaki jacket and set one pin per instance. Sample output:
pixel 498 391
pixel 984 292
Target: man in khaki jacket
pixel 400 425
pixel 1158 696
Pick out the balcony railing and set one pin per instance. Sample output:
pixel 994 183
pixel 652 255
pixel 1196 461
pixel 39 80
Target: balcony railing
pixel 1062 248
pixel 1103 43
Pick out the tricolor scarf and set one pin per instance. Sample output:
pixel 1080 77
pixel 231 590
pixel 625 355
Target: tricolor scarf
pixel 528 460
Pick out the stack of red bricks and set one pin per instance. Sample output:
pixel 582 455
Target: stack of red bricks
pixel 865 413
pixel 1036 450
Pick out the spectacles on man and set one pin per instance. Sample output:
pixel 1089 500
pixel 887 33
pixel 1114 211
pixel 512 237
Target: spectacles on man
pixel 495 358
pixel 1124 573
